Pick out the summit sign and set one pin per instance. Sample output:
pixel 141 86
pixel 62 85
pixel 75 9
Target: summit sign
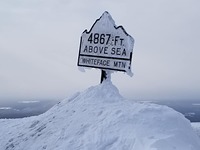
pixel 106 46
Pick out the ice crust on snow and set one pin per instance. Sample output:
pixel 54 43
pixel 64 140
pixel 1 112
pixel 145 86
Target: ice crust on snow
pixel 99 118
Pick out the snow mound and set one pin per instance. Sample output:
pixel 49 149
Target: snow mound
pixel 196 127
pixel 100 119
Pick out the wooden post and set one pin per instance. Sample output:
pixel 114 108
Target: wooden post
pixel 103 75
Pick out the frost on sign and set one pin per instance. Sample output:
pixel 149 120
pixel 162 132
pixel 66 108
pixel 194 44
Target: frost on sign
pixel 106 46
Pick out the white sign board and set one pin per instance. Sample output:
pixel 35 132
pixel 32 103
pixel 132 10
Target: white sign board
pixel 106 46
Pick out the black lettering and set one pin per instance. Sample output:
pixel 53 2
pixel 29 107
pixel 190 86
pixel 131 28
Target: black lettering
pixel 118 52
pixel 115 64
pixel 105 39
pixel 90 49
pixel 87 61
pixel 123 64
pixel 105 50
pixel 83 60
pixel 102 38
pixel 96 38
pixel 124 52
pixel 101 62
pixel 121 41
pixel 98 61
pixel 90 38
pixel 113 51
pixel 85 49
pixel 95 62
pixel 100 49
pixel 116 39
pixel 95 49
pixel 119 64
pixel 108 39
pixel 106 63
pixel 91 60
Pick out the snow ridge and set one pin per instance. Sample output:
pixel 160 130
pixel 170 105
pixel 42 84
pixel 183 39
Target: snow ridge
pixel 100 119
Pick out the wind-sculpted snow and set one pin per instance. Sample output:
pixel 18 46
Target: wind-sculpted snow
pixel 100 119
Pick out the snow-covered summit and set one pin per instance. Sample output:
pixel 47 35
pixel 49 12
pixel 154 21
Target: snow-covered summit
pixel 100 119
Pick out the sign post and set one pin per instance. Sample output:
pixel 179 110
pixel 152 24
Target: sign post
pixel 103 75
pixel 106 46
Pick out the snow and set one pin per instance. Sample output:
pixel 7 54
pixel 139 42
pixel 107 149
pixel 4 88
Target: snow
pixel 99 118
pixel 196 127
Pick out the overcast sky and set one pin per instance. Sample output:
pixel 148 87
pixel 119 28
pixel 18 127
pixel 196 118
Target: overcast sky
pixel 39 43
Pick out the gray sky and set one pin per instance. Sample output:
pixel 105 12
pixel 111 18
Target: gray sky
pixel 39 43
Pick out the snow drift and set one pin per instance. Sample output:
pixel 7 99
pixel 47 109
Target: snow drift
pixel 100 119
